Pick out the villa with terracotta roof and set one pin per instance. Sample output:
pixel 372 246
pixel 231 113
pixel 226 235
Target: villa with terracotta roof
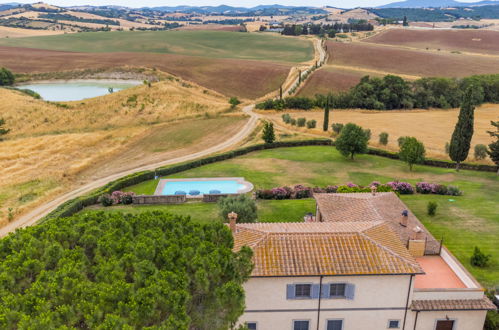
pixel 365 263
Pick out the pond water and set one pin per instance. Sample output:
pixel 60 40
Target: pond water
pixel 77 90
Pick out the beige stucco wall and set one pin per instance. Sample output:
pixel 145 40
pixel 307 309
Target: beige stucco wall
pixel 370 291
pixel 465 320
pixel 377 300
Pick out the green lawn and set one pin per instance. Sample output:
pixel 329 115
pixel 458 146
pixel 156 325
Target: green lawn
pixel 467 221
pixel 215 44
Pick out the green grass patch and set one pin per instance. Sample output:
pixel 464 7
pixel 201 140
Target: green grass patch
pixel 468 221
pixel 214 44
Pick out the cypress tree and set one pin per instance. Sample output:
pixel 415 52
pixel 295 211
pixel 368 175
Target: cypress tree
pixel 280 93
pixel 268 134
pixel 325 126
pixel 463 132
pixel 3 130
pixel 494 146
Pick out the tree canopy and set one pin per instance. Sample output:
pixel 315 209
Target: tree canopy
pixel 122 271
pixel 412 151
pixel 6 77
pixel 352 140
pixel 268 134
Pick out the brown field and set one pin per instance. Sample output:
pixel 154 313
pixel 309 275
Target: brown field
pixel 52 148
pixel 433 127
pixel 474 41
pixel 411 62
pixel 210 27
pixel 333 79
pixel 243 78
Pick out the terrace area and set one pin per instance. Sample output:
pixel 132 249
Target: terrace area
pixel 438 274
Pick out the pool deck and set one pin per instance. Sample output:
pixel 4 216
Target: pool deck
pixel 248 186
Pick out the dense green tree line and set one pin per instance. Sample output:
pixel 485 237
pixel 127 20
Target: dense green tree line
pixel 438 14
pixel 323 29
pixel 393 92
pixel 122 271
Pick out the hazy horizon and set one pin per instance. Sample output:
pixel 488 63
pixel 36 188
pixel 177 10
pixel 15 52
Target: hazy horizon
pixel 235 3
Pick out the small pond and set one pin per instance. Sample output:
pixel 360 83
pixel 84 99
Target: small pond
pixel 76 90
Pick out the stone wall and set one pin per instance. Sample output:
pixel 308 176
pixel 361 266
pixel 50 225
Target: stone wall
pixel 159 199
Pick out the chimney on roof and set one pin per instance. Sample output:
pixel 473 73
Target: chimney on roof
pixel 374 189
pixel 232 221
pixel 405 218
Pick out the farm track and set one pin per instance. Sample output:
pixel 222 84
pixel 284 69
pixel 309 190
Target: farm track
pixel 38 213
pixel 32 217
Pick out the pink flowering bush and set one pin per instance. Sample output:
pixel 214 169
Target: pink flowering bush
pixel 403 188
pixel 302 192
pixel 425 187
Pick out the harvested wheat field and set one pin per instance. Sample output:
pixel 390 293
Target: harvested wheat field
pixel 334 79
pixel 433 127
pixel 474 41
pixel 410 62
pixel 53 147
pixel 10 32
pixel 232 77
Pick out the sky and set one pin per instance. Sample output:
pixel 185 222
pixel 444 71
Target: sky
pixel 238 3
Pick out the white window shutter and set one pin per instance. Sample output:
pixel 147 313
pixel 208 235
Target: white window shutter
pixel 315 291
pixel 350 291
pixel 290 291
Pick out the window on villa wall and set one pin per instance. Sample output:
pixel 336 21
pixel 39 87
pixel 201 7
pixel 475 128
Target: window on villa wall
pixel 302 291
pixel 393 324
pixel 251 325
pixel 301 325
pixel 334 325
pixel 338 291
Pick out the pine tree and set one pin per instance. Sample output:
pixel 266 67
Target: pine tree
pixel 494 146
pixel 463 132
pixel 268 132
pixel 326 116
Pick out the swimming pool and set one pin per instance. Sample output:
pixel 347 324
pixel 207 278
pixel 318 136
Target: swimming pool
pixel 201 186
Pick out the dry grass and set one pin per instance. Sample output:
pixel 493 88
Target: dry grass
pixel 164 101
pixel 52 148
pixel 433 127
pixel 9 32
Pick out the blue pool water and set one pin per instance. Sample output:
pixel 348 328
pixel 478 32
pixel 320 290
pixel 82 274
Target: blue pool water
pixel 204 187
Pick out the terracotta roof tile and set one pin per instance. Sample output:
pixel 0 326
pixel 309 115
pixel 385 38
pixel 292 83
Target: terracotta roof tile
pixel 363 207
pixel 453 305
pixel 302 249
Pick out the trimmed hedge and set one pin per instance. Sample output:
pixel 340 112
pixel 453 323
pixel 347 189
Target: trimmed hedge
pixel 75 205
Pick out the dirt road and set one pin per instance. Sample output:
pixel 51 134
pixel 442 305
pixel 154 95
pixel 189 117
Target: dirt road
pixel 32 217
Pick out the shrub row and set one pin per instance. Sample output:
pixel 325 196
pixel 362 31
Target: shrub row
pixel 403 188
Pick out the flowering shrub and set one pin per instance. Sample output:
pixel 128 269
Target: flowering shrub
pixel 302 192
pixel 439 189
pixel 117 197
pixel 425 187
pixel 403 188
pixel 281 193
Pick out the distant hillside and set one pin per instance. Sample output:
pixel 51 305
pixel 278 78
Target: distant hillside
pixel 436 4
pixel 439 14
